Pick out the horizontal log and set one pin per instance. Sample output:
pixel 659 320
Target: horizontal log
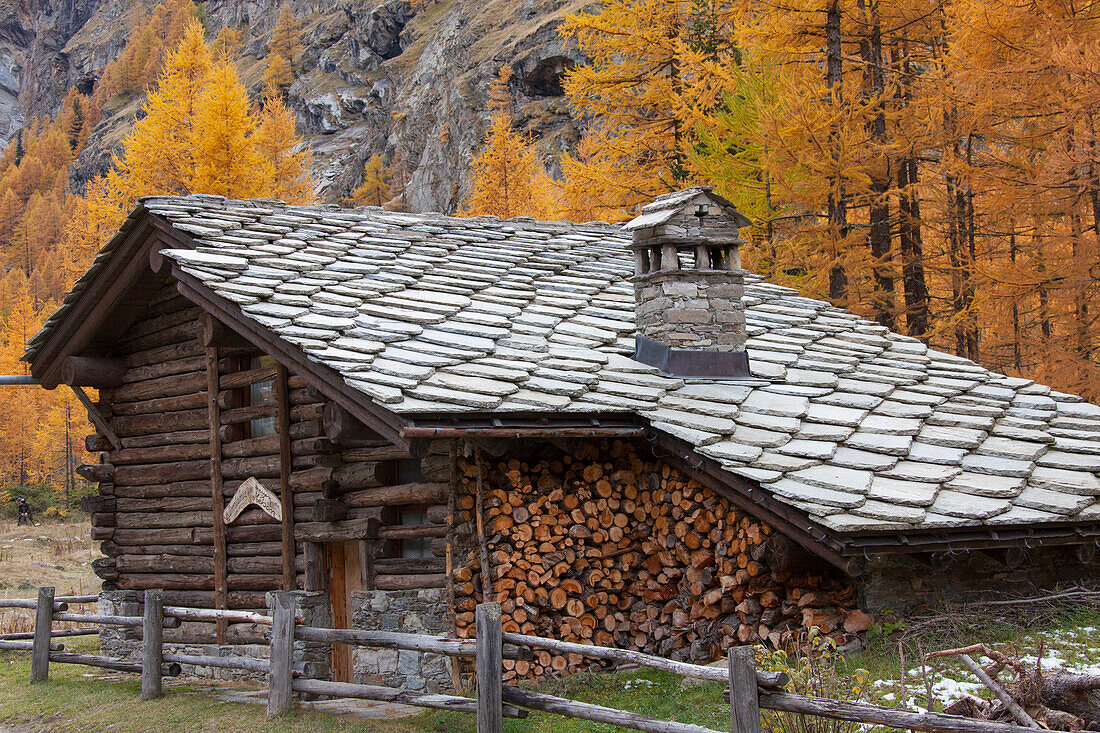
pixel 164 504
pixel 260 565
pixel 181 437
pixel 164 564
pixel 352 529
pixel 160 454
pixel 195 488
pixel 160 520
pixel 160 406
pixel 160 354
pixel 246 378
pixel 247 664
pixel 25 646
pixel 108 620
pixel 209 614
pixel 114 550
pixel 161 473
pixel 393 694
pixel 874 715
pixel 186 365
pixel 30 603
pixel 766 680
pixel 410 531
pixel 169 669
pixel 319 446
pixel 416 493
pixel 265 446
pixel 397 640
pixel 342 427
pixel 254 582
pixel 96 472
pixel 410 566
pixel 353 476
pixel 159 422
pixel 92 371
pixel 409 582
pixel 255 549
pixel 183 332
pixel 55 633
pixel 213 332
pixel 253 467
pixel 246 414
pixel 172 386
pixel 165 581
pixel 311 479
pixel 382 452
pixel 595 713
pixel 205 599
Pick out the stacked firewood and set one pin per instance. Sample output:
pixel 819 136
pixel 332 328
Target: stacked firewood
pixel 603 546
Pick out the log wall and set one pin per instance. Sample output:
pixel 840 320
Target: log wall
pixel 154 514
pixel 607 545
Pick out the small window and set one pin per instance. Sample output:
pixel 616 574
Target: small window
pixel 416 546
pixel 262 393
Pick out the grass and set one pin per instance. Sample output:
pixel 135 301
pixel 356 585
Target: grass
pixel 75 699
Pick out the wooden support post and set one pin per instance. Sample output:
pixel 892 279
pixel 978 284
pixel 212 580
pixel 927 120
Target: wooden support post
pixel 282 655
pixel 744 694
pixel 286 460
pixel 152 644
pixel 490 669
pixel 43 623
pixel 479 514
pixel 452 625
pixel 221 592
pixel 314 556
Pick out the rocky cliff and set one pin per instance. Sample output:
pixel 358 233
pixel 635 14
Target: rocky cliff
pixel 376 76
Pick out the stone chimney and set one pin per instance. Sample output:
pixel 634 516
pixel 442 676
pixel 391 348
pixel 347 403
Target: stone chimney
pixel 688 285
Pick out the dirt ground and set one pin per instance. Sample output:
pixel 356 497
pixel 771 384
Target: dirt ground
pixel 51 553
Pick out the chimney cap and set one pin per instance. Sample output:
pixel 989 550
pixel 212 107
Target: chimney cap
pixel 670 205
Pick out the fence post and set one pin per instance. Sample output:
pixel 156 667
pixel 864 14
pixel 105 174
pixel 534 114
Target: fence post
pixel 152 644
pixel 744 694
pixel 490 669
pixel 282 655
pixel 43 629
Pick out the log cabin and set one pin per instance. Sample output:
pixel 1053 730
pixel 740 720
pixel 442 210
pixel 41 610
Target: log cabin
pixel 617 432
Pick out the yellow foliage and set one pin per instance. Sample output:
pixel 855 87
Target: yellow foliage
pixel 286 161
pixel 277 76
pixel 226 153
pixel 286 37
pixel 375 188
pixel 508 179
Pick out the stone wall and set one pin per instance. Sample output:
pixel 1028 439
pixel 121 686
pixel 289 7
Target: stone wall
pixel 411 612
pixel 692 309
pixel 125 642
pixel 903 582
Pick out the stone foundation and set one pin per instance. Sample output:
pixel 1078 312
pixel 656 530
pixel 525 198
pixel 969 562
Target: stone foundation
pixel 903 582
pixel 411 612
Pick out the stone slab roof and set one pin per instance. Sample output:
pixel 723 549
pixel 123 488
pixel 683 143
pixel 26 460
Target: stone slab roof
pixel 863 429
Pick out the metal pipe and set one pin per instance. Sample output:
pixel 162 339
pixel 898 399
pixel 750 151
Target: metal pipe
pixel 523 432
pixel 13 380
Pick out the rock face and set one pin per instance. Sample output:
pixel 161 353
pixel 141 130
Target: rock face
pixel 375 77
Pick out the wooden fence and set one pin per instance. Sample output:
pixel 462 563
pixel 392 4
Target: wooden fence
pixel 750 690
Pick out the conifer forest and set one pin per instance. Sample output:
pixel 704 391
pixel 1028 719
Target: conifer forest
pixel 933 166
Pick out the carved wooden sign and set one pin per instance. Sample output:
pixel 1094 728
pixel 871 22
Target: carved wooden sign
pixel 249 492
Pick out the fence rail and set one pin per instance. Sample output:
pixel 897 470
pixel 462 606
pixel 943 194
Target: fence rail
pixel 750 690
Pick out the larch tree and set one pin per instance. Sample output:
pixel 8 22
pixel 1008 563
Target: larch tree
pixel 375 188
pixel 508 179
pixel 224 144
pixel 286 160
pixel 286 37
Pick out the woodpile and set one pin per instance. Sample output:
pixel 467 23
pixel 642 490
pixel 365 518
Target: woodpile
pixel 604 545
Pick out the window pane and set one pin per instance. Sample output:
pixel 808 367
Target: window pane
pixel 417 546
pixel 408 471
pixel 262 393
